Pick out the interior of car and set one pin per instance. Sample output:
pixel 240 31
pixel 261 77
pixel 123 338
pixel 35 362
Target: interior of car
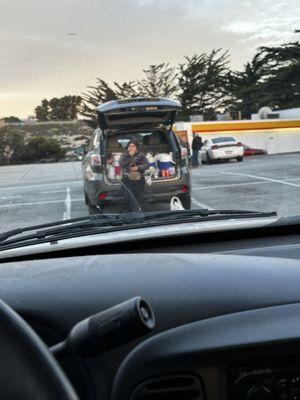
pixel 149 209
pixel 226 310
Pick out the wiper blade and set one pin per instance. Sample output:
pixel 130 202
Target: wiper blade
pixel 110 222
pixel 204 212
pixel 75 223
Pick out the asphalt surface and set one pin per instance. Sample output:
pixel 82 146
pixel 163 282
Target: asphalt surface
pixel 40 193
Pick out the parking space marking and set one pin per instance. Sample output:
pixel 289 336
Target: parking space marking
pixel 41 185
pixel 11 197
pixel 201 205
pixel 67 212
pixel 54 191
pixel 229 185
pixel 262 178
pixel 38 203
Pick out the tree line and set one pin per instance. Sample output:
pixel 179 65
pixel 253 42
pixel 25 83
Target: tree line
pixel 203 83
pixel 15 150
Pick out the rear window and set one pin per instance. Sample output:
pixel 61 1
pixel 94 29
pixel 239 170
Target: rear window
pixel 143 138
pixel 223 139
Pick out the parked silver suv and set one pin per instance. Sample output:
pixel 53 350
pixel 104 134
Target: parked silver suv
pixel 149 121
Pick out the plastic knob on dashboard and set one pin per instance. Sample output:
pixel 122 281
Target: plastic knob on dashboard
pixel 258 392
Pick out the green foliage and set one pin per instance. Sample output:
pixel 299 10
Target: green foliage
pixel 159 81
pixel 126 90
pixel 59 109
pixel 39 147
pixel 203 83
pixel 282 87
pixel 11 119
pixel 271 79
pixel 14 149
pixel 42 111
pixel 246 86
pixel 96 95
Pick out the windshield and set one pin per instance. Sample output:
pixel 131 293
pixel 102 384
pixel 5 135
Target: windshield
pixel 132 107
pixel 223 139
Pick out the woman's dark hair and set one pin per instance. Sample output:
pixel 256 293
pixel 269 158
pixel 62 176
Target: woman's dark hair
pixel 133 141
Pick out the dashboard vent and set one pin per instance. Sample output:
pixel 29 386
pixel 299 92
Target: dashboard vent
pixel 171 387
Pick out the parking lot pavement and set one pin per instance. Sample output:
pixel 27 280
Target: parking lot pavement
pixel 40 193
pixel 257 183
pixel 36 194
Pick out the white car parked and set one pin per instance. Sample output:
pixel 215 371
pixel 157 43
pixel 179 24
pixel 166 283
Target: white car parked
pixel 221 148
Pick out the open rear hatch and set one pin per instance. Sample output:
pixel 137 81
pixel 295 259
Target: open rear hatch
pixel 137 112
pixel 158 147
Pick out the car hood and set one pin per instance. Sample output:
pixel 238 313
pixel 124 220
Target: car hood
pixel 131 235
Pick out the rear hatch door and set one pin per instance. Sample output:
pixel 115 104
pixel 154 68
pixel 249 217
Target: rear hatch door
pixel 137 112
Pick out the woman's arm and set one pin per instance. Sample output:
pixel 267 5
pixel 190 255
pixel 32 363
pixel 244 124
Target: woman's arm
pixel 124 161
pixel 142 163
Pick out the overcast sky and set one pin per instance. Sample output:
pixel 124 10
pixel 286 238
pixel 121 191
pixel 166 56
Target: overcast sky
pixel 55 47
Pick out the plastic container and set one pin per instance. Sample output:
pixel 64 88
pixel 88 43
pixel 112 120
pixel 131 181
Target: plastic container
pixel 172 170
pixel 166 165
pixel 111 172
pixel 151 159
pixel 118 169
pixel 164 161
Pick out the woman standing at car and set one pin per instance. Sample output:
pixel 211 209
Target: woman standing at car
pixel 134 164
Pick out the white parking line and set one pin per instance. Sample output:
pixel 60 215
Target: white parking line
pixel 229 185
pixel 54 191
pixel 262 178
pixel 38 203
pixel 10 197
pixel 201 205
pixel 67 212
pixel 42 185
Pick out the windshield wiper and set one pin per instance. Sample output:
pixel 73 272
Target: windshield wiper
pixel 111 222
pixel 70 224
pixel 204 212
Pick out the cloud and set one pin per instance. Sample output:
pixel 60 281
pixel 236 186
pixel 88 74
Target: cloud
pixel 116 39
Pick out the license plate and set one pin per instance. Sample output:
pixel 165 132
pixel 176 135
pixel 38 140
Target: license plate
pixel 228 151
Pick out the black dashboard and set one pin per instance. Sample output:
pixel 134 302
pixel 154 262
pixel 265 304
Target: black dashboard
pixel 228 318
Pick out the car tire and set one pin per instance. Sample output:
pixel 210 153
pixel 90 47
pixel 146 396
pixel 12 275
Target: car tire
pixel 91 208
pixel 208 159
pixel 186 201
pixel 239 159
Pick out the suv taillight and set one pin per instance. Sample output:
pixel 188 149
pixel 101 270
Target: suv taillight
pixel 184 152
pixel 96 163
pixel 95 159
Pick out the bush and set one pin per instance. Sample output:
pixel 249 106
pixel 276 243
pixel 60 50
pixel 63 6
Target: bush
pixel 12 147
pixel 14 150
pixel 39 147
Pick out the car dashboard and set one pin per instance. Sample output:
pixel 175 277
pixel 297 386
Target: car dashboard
pixel 227 318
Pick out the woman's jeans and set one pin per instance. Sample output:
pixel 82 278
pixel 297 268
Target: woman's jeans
pixel 133 192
